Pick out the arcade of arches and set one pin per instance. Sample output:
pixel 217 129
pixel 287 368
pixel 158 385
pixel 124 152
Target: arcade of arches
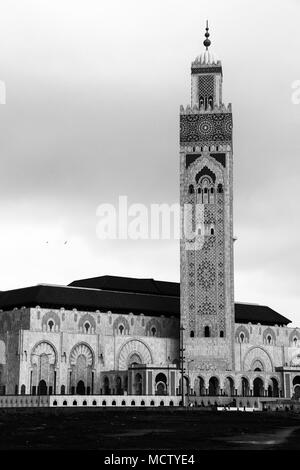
pixel 244 387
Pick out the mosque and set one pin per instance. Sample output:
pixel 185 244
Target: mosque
pixel 121 337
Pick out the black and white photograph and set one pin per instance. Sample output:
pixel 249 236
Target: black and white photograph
pixel 149 228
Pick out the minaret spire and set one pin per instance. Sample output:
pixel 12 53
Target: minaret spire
pixel 206 41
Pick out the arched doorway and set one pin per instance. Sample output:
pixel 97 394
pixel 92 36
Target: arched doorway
pixel 229 387
pixel 245 387
pixel 43 373
pixel 42 388
pixel 258 387
pixel 296 385
pixel 161 384
pixel 80 389
pixel 200 386
pixel 81 362
pixel 213 386
pixel 185 385
pixel 297 392
pixel 275 391
pixel 106 386
pixel 119 389
pixel 138 384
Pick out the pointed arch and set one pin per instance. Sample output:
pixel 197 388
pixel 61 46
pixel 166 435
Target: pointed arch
pixel 43 348
pixel 121 325
pixel 82 349
pixel 269 337
pixel 87 319
pixel 133 346
pixel 49 317
pixel 242 334
pixel 205 171
pixel 258 353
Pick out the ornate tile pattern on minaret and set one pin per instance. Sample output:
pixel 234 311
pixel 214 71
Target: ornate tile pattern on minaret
pixel 207 310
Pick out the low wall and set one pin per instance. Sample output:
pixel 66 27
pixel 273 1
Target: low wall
pixel 21 401
pixel 24 401
pixel 240 402
pixel 114 400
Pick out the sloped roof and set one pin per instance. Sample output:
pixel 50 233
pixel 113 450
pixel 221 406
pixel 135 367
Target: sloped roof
pixel 89 300
pixel 129 284
pixel 118 301
pixel 255 313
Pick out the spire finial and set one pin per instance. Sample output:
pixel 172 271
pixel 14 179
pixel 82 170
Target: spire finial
pixel 206 41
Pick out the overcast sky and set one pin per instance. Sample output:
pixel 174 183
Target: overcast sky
pixel 93 95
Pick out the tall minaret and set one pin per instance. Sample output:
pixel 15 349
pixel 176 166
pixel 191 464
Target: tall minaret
pixel 206 258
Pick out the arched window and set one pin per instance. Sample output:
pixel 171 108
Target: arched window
pixel 269 339
pixel 207 332
pixel 212 231
pixel 192 334
pixel 210 101
pixel 153 331
pixel 201 101
pixel 199 190
pixel 242 337
pixel 205 190
pixel 220 188
pixel 221 334
pixel 191 189
pixel 121 329
pixel 212 190
pixel 87 327
pixel 50 325
pixel 295 341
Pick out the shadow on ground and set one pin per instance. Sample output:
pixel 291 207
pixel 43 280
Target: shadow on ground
pixel 144 429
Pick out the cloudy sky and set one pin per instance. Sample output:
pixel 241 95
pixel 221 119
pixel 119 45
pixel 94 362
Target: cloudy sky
pixel 93 90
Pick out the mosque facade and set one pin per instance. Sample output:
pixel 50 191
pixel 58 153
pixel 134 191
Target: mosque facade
pixel 116 336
